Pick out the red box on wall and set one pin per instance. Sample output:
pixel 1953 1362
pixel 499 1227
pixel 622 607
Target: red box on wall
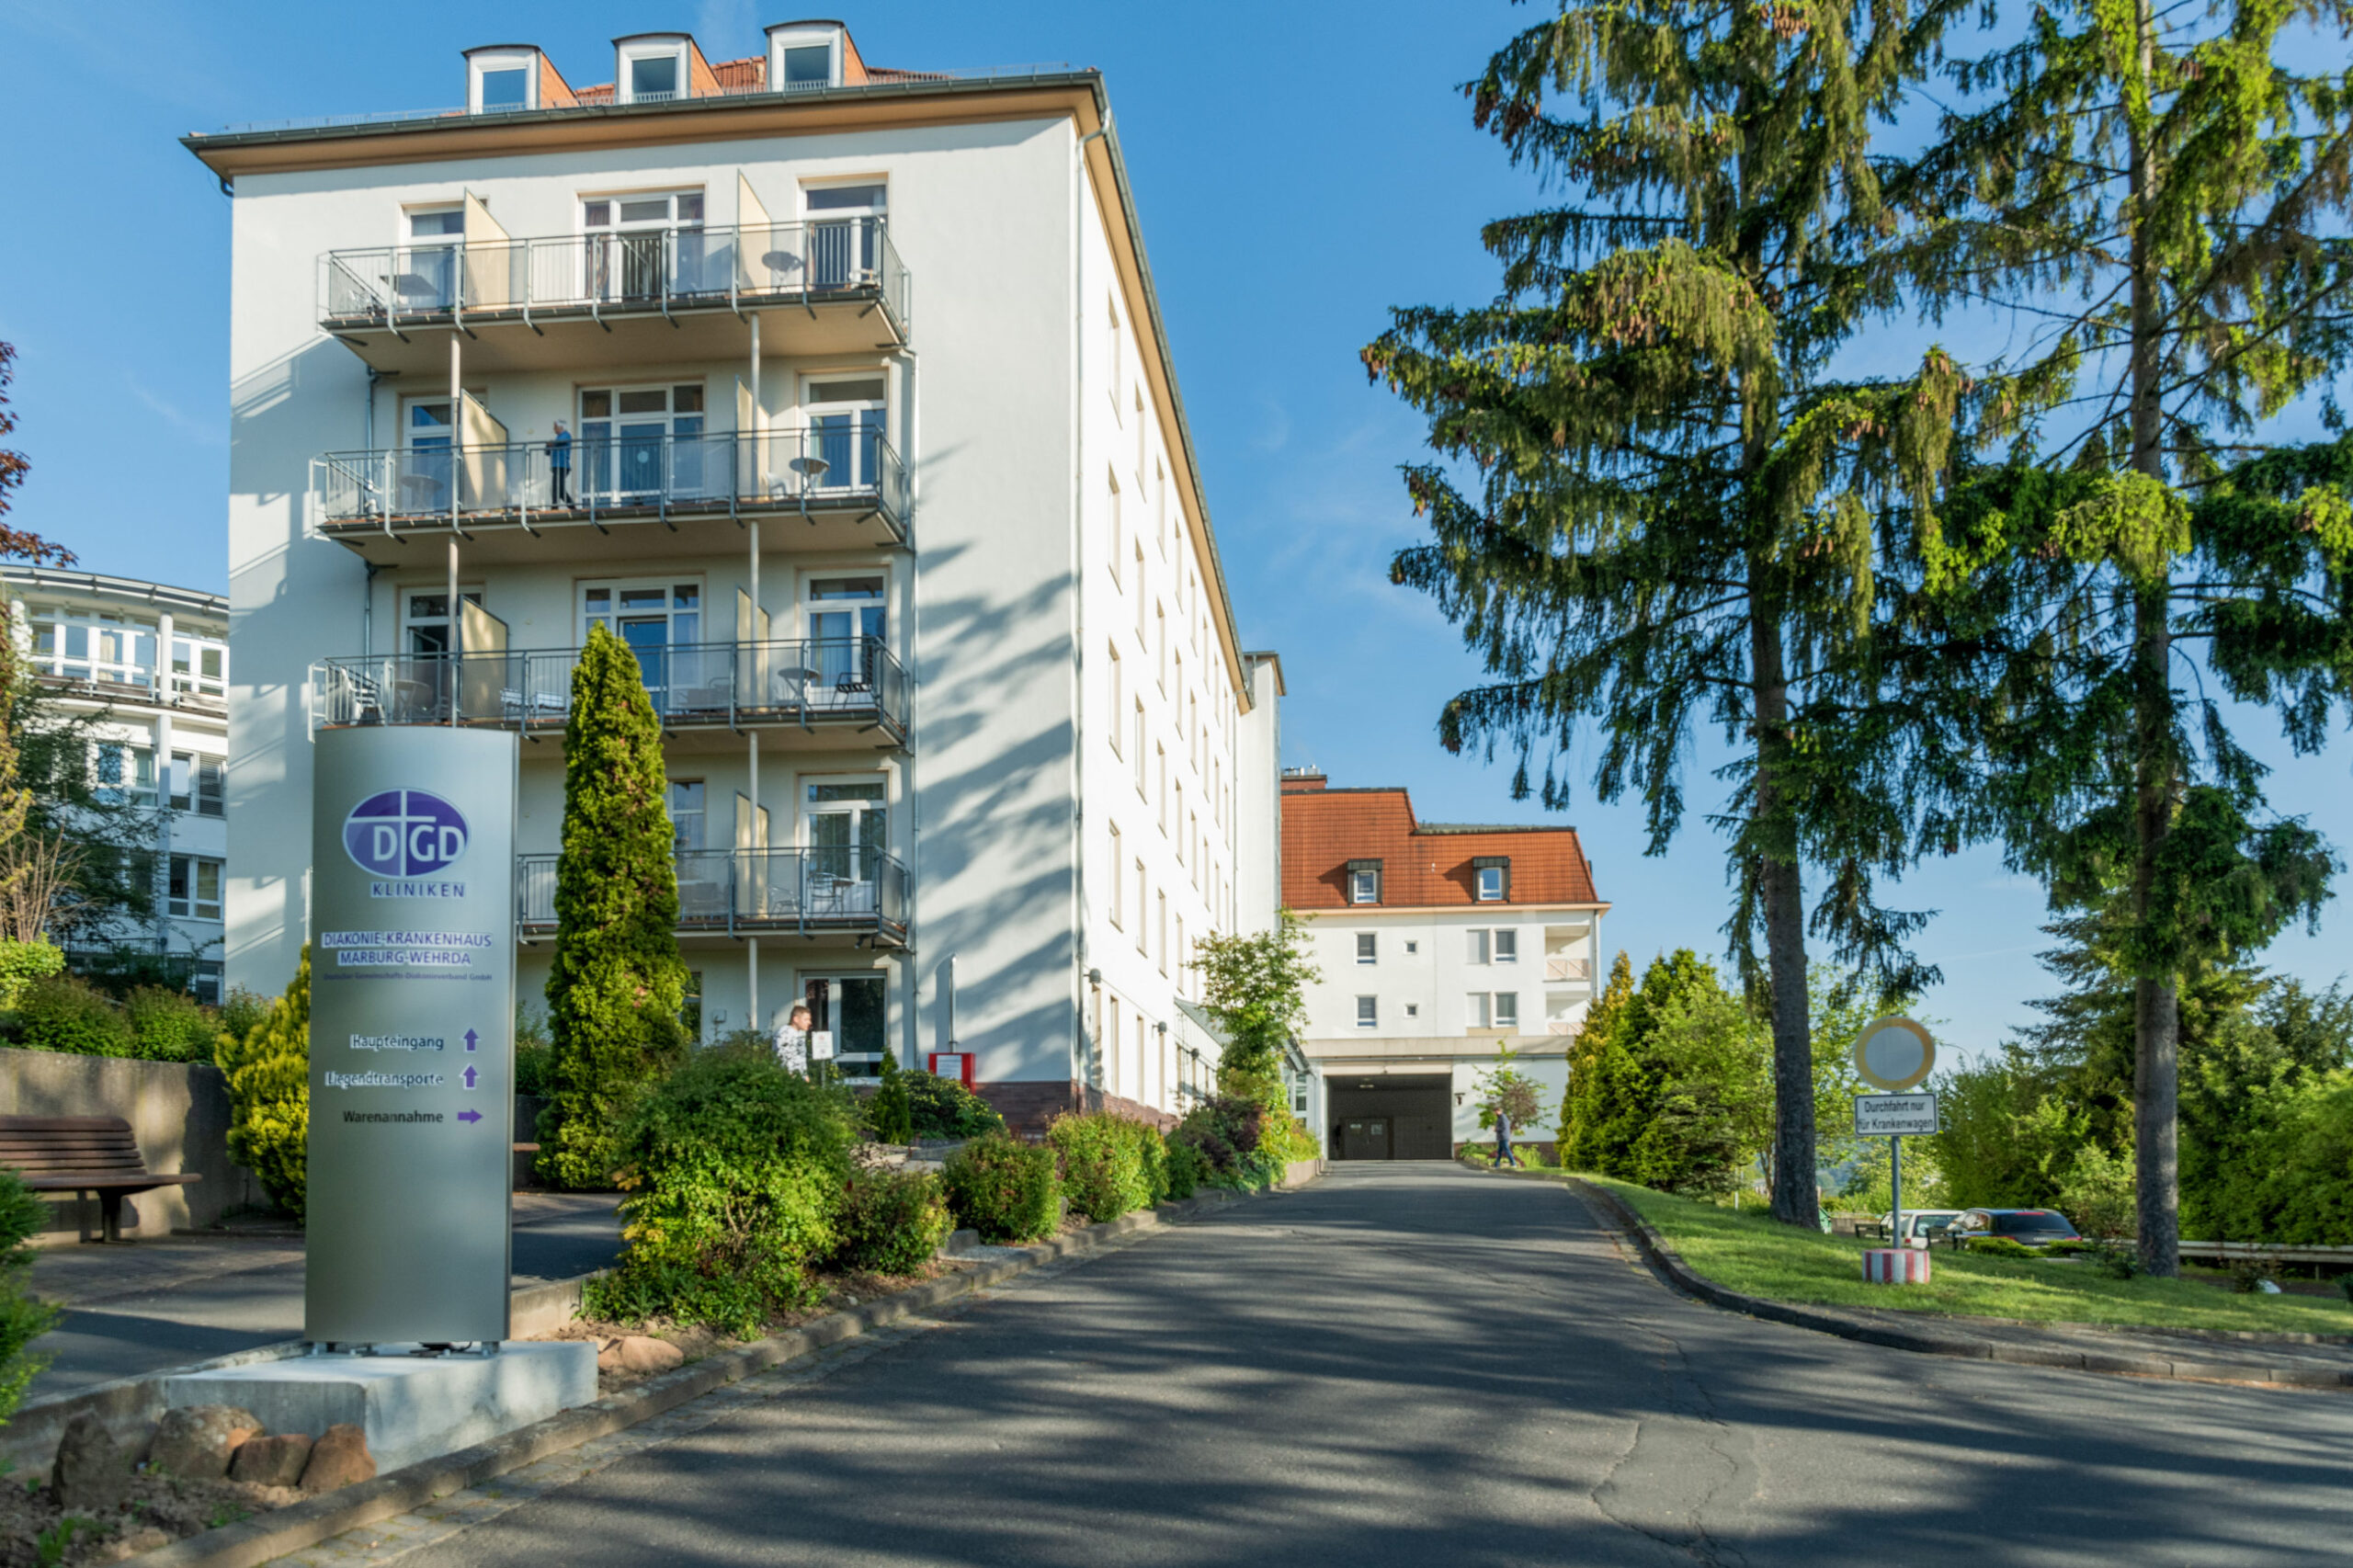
pixel 956 1065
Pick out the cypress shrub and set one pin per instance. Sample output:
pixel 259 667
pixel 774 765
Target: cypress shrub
pixel 23 1319
pixel 890 1222
pixel 269 1094
pixel 735 1169
pixel 1006 1191
pixel 891 1113
pixel 62 1013
pixel 616 985
pixel 944 1107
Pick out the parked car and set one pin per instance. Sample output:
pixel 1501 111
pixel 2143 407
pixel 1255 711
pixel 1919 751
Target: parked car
pixel 1922 1225
pixel 2027 1227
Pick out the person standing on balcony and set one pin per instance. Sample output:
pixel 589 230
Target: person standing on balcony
pixel 559 465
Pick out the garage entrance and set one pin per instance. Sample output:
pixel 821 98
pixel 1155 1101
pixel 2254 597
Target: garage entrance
pixel 1397 1116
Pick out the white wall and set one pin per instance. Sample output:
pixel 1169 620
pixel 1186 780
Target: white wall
pixel 1436 977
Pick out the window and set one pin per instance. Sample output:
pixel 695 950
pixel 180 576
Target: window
pixel 1119 705
pixel 845 230
pixel 847 620
pixel 1139 433
pixel 807 67
pixel 1491 878
pixel 424 621
pixel 1367 1012
pixel 1160 784
pixel 508 88
pixel 1140 601
pixel 1368 947
pixel 1159 645
pixel 195 888
pixel 1413 948
pixel 1508 1009
pixel 125 773
pixel 1507 946
pixel 1177 811
pixel 1119 887
pixel 1160 927
pixel 854 1007
pixel 1475 1012
pixel 500 80
pixel 1181 952
pixel 1477 947
pixel 1117 347
pixel 640 444
pixel 1143 937
pixel 1118 528
pixel 845 416
pixel 1364 881
pixel 1139 750
pixel 687 814
pixel 196 784
pixel 848 834
pixel 653 78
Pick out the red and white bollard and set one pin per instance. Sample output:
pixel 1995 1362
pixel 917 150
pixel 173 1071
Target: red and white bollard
pixel 1894 1266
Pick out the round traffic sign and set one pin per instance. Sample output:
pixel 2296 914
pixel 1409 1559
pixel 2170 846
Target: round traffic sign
pixel 1894 1053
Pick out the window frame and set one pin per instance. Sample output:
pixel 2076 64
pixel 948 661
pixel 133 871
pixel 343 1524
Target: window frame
pixel 1368 947
pixel 1368 1011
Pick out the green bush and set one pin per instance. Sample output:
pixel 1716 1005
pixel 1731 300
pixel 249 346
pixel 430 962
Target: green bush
pixel 170 1026
pixel 733 1169
pixel 23 1319
pixel 1109 1164
pixel 944 1107
pixel 241 1010
pixel 1186 1169
pixel 268 1071
pixel 533 1051
pixel 63 1014
pixel 2000 1246
pixel 21 963
pixel 889 1113
pixel 1006 1191
pixel 890 1222
pixel 1227 1133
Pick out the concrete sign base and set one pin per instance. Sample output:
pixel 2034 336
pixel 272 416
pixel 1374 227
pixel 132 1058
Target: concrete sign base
pixel 412 1407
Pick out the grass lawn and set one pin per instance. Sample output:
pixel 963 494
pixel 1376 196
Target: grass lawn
pixel 1752 1254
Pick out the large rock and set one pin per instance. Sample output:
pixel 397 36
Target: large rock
pixel 92 1472
pixel 271 1461
pixel 196 1442
pixel 640 1354
pixel 338 1459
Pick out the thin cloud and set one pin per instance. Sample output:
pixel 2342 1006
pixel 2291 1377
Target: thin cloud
pixel 208 432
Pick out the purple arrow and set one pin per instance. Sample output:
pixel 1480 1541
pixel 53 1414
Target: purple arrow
pixel 470 1077
pixel 470 1041
pixel 470 1115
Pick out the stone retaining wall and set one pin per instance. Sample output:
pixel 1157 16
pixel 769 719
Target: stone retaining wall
pixel 178 1112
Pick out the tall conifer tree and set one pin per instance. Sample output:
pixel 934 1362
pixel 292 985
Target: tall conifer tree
pixel 1654 505
pixel 616 984
pixel 2160 198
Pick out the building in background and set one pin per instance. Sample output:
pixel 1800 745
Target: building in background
pixel 1438 942
pixel 144 668
pixel 842 396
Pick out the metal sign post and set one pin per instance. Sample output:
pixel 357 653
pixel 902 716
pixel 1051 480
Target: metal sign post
pixel 412 1035
pixel 1896 1055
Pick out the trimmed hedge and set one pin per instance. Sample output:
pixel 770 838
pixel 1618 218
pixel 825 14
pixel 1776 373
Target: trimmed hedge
pixel 890 1222
pixel 1006 1191
pixel 1110 1163
pixel 734 1170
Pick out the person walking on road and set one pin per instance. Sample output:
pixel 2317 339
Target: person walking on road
pixel 560 464
pixel 1503 1141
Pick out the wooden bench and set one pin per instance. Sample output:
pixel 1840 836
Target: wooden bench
pixel 84 1156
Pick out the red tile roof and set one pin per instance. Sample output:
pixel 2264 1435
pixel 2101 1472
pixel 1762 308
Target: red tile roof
pixel 1423 864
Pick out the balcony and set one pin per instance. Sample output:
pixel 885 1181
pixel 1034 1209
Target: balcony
pixel 835 285
pixel 844 689
pixel 845 482
pixel 828 891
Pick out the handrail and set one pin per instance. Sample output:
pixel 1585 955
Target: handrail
pixel 808 681
pixel 828 467
pixel 800 261
pixel 824 888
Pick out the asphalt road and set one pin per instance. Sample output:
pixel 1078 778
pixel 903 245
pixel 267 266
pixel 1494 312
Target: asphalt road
pixel 1414 1364
pixel 145 1306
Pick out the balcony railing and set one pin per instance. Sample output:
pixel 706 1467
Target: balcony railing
pixel 830 469
pixel 852 681
pixel 652 271
pixel 834 888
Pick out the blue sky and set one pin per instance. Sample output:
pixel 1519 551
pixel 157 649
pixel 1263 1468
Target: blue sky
pixel 1299 169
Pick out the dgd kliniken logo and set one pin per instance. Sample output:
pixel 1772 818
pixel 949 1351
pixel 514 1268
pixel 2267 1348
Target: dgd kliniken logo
pixel 406 835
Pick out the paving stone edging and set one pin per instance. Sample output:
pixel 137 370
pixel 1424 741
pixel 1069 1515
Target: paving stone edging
pixel 266 1537
pixel 1669 1264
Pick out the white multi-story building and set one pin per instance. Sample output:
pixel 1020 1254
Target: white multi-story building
pixel 1438 943
pixel 144 669
pixel 842 396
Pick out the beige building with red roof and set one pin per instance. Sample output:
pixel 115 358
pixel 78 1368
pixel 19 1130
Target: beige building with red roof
pixel 1440 944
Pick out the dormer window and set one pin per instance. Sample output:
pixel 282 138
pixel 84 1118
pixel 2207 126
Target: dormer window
pixel 1491 877
pixel 654 68
pixel 805 57
pixel 502 78
pixel 653 76
pixel 1364 881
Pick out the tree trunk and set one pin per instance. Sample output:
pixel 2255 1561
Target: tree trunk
pixel 2156 1009
pixel 1782 899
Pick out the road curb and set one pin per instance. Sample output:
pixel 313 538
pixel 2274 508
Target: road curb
pixel 1664 1262
pixel 260 1539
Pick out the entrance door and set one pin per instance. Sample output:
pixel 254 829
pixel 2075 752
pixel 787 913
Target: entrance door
pixel 852 1006
pixel 662 623
pixel 847 620
pixel 849 832
pixel 844 224
pixel 1365 1138
pixel 846 415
